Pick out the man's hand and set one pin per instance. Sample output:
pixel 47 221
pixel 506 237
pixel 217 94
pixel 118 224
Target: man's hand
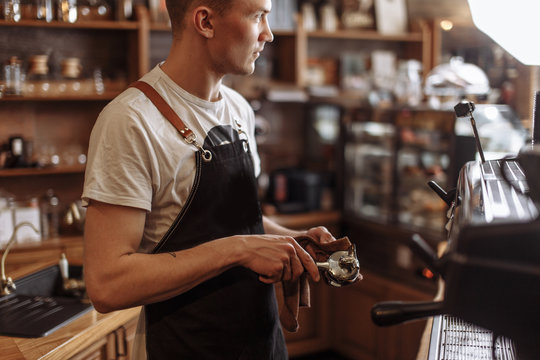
pixel 321 234
pixel 276 258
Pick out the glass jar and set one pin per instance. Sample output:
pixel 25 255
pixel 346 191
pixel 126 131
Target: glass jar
pixel 38 82
pixel 71 83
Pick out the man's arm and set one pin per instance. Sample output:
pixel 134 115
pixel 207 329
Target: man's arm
pixel 320 233
pixel 118 277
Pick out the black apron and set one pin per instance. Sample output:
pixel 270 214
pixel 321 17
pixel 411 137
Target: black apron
pixel 234 315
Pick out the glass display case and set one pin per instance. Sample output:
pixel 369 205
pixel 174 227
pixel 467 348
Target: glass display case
pixel 389 158
pixel 423 154
pixel 369 158
pixel 391 155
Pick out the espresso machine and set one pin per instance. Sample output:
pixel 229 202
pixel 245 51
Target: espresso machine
pixel 490 270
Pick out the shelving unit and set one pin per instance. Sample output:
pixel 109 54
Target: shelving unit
pixel 96 24
pixel 52 170
pixel 63 121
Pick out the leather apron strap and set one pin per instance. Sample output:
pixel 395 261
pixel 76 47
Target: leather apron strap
pixel 189 136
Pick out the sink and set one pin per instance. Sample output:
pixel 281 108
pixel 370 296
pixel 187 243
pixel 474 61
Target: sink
pixel 40 306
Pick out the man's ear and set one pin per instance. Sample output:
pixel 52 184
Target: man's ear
pixel 202 18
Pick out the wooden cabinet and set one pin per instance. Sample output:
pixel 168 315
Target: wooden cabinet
pixel 354 334
pixel 116 345
pixel 340 319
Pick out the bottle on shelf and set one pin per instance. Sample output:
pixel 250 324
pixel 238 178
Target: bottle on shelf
pixel 16 156
pixel 67 11
pixel 13 77
pixel 50 214
pixel 44 10
pixel 12 10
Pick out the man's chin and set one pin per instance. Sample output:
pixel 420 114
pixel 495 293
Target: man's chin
pixel 246 70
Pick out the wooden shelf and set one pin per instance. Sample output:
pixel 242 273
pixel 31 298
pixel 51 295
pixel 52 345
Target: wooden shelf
pixel 94 97
pixel 100 24
pixel 57 170
pixel 365 35
pixel 284 32
pixel 160 27
pixel 306 220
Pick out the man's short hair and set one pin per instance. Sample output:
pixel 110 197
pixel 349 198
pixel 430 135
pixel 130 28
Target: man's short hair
pixel 178 10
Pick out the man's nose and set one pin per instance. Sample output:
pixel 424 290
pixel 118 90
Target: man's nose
pixel 267 34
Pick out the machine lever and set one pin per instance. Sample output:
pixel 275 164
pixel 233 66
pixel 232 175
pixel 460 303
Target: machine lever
pixel 448 197
pixel 396 312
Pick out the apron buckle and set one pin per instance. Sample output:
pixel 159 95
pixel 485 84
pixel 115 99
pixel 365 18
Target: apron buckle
pixel 191 139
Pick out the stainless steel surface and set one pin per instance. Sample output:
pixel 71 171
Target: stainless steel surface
pixel 341 268
pixel 487 199
pixel 455 339
pixel 491 270
pixel 41 305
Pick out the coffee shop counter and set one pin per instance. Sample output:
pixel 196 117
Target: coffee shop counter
pixel 91 336
pixel 106 336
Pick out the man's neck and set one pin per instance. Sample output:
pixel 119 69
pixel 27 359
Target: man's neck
pixel 190 71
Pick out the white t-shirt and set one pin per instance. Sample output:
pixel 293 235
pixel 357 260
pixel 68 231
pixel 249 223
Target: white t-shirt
pixel 137 158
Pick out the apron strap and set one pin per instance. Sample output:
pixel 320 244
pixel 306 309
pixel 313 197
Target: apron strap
pixel 166 110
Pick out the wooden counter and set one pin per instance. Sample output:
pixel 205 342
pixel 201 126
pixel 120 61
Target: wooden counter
pixel 91 336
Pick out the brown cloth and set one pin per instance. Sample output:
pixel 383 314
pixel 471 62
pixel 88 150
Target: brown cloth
pixel 296 293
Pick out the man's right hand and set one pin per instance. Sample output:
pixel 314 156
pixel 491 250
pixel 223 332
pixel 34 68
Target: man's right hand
pixel 275 258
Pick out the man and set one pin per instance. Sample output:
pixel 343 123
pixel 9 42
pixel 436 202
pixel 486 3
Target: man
pixel 173 220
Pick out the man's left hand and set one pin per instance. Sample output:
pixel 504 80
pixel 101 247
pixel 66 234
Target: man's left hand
pixel 321 234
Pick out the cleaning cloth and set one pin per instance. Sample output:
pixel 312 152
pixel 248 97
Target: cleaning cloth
pixel 296 294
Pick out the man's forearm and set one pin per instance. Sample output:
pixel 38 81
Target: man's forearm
pixel 271 227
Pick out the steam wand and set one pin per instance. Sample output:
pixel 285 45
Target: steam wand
pixel 465 108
